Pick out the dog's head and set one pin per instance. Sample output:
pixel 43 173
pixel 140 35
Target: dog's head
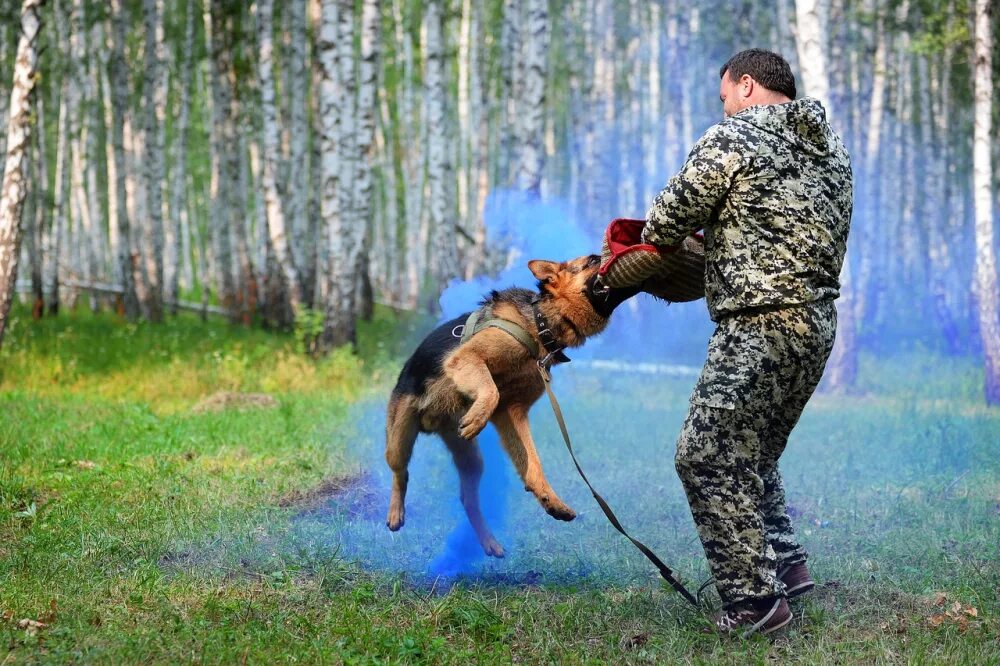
pixel 571 289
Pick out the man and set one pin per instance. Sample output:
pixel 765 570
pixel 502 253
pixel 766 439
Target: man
pixel 771 187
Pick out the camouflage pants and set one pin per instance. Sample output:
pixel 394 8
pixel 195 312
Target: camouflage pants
pixel 761 370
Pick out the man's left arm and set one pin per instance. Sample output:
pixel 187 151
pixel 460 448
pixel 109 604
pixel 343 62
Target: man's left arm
pixel 688 201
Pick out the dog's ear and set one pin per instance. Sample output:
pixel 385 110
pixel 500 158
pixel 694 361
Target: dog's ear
pixel 543 270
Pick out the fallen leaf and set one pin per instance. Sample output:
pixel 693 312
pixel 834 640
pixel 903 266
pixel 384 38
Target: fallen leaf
pixel 85 464
pixel 49 616
pixel 937 620
pixel 939 599
pixel 971 612
pixel 31 627
pixel 956 607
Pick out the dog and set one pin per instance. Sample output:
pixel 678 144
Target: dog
pixel 453 389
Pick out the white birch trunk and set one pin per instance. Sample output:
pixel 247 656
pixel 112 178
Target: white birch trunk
pixel 811 52
pixel 364 176
pixel 464 168
pixel 7 22
pixel 155 91
pixel 117 175
pixel 439 173
pixel 339 315
pixel 41 222
pixel 56 248
pixel 14 185
pixel 176 257
pixel 298 131
pixel 531 105
pixel 221 142
pixel 982 182
pixel 271 158
pixel 479 173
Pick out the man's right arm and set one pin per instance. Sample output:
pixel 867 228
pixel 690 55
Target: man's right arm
pixel 687 202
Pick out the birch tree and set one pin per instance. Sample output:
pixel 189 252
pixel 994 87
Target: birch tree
pixel 364 177
pixel 531 108
pixel 339 324
pixel 298 132
pixel 271 156
pixel 177 254
pixel 14 184
pixel 155 92
pixel 119 108
pixel 215 17
pixel 444 251
pixel 982 177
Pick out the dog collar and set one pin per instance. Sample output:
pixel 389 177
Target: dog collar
pixel 554 351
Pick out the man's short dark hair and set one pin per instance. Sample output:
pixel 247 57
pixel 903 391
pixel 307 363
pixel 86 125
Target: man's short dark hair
pixel 766 67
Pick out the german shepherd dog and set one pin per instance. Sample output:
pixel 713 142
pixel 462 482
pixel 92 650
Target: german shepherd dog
pixel 453 390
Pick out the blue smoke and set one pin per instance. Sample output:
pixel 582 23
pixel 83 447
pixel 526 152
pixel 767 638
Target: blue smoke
pixel 530 229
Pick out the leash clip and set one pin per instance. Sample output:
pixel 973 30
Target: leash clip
pixel 544 364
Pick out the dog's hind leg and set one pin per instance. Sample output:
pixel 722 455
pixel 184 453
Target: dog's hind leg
pixel 469 462
pixel 512 424
pixel 401 427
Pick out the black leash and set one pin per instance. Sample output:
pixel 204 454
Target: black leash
pixel 665 571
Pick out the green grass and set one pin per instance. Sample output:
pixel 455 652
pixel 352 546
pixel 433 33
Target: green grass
pixel 138 530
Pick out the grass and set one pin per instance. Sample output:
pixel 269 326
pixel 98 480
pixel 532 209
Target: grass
pixel 139 530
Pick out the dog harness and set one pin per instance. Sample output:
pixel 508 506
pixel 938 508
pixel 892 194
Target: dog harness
pixel 483 318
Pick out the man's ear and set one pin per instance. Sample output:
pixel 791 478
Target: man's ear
pixel 543 270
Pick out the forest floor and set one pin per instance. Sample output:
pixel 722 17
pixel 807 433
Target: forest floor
pixel 151 511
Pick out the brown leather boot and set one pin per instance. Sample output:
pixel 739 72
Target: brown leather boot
pixel 796 579
pixel 751 618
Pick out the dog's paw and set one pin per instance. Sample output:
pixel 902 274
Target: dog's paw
pixel 396 518
pixel 471 425
pixel 558 510
pixel 492 548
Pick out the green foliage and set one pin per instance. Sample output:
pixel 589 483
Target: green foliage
pixel 308 328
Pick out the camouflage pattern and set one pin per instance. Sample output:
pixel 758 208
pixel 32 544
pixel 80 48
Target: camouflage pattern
pixel 771 187
pixel 762 368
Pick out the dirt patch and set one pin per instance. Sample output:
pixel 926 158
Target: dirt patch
pixel 223 400
pixel 351 494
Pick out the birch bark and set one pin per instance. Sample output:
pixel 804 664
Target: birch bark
pixel 177 257
pixel 982 182
pixel 339 325
pixel 119 108
pixel 271 159
pixel 298 130
pixel 155 91
pixel 14 185
pixel 444 250
pixel 531 106
pixel 365 157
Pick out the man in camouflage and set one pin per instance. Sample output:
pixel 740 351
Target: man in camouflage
pixel 771 187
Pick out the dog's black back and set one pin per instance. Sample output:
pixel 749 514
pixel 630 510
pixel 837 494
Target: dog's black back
pixel 427 360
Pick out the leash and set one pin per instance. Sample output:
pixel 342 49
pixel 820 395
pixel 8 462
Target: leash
pixel 665 571
pixel 483 318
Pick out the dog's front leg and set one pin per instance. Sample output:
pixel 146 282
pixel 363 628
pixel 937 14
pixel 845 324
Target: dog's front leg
pixel 512 424
pixel 474 381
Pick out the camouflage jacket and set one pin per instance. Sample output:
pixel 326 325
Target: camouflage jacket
pixel 771 186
